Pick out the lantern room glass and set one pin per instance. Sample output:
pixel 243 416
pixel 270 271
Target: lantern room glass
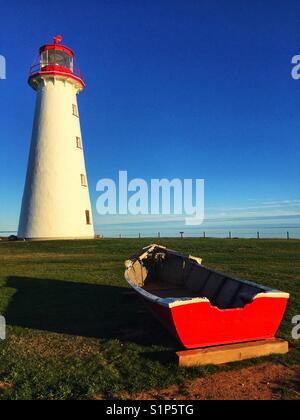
pixel 57 58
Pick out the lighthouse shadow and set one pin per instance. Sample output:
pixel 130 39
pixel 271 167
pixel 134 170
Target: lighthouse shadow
pixel 82 309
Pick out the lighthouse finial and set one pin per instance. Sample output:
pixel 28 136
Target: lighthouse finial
pixel 57 39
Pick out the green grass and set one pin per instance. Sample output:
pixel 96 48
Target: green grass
pixel 74 333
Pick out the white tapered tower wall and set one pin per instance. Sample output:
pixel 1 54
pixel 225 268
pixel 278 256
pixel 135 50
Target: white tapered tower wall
pixel 55 202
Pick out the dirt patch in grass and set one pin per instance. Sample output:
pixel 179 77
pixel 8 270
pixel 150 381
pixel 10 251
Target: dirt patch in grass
pixel 4 385
pixel 264 382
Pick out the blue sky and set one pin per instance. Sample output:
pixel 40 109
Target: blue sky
pixel 175 89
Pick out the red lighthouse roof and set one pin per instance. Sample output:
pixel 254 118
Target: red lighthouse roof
pixel 55 60
pixel 56 46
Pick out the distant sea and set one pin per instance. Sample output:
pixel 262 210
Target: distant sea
pixel 279 228
pixel 263 232
pixel 6 233
pixel 294 233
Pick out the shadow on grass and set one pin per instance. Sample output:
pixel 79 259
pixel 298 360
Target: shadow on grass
pixel 289 389
pixel 98 311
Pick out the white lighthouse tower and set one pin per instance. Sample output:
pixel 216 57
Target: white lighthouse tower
pixel 56 202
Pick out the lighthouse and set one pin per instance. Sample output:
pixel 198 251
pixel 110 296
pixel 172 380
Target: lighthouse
pixel 56 201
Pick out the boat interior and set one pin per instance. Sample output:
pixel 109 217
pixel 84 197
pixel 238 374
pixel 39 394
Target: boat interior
pixel 167 274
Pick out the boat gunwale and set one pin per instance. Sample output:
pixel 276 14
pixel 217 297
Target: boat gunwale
pixel 172 302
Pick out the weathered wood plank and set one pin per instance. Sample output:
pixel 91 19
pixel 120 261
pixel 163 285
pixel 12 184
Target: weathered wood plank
pixel 231 353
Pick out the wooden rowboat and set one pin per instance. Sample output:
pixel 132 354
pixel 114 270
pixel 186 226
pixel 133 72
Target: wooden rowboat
pixel 202 307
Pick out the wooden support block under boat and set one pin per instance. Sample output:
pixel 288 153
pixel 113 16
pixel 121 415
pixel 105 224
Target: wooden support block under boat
pixel 231 352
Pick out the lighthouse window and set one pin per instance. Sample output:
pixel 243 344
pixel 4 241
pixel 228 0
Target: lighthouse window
pixel 78 143
pixel 75 110
pixel 88 217
pixel 44 59
pixel 57 58
pixel 83 180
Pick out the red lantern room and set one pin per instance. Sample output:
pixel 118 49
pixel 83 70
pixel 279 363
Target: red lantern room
pixel 55 60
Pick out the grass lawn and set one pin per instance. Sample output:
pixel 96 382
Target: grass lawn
pixel 73 332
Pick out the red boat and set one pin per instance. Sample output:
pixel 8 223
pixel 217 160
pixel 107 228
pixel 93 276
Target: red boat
pixel 202 307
